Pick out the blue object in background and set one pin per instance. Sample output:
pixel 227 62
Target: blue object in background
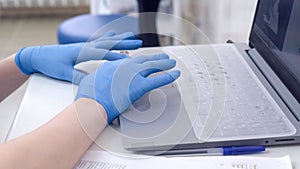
pixel 81 28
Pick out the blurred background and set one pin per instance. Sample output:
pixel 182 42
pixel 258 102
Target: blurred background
pixel 35 22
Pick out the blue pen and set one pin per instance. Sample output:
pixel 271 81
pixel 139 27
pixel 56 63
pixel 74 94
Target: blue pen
pixel 222 151
pixel 241 150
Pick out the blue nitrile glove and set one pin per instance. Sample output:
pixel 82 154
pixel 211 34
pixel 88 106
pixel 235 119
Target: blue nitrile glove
pixel 113 42
pixel 117 84
pixel 111 35
pixel 58 61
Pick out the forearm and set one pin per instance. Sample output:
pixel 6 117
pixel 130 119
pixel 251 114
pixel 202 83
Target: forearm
pixel 10 77
pixel 61 142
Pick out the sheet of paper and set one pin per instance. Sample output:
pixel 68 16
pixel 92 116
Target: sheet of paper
pixel 106 160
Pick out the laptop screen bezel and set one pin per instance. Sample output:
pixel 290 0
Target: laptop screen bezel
pixel 265 49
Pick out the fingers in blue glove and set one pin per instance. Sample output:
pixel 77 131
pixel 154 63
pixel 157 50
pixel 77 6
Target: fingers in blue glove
pixel 142 59
pixel 157 66
pixel 118 44
pixel 88 54
pixel 164 79
pixel 108 34
pixel 123 36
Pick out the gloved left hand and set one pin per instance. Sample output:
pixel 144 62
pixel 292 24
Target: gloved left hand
pixel 58 61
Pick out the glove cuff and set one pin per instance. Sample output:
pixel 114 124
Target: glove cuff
pixel 110 114
pixel 23 62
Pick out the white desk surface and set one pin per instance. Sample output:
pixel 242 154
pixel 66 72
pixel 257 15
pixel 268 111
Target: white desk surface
pixel 109 139
pixel 44 99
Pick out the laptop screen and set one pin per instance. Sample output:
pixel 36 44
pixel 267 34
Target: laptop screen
pixel 275 34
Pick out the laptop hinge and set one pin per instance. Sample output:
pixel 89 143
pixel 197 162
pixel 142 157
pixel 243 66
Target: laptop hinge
pixel 274 81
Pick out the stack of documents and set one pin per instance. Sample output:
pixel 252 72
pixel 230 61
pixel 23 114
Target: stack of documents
pixel 106 160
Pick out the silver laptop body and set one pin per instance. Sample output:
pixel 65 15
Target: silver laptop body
pixel 228 95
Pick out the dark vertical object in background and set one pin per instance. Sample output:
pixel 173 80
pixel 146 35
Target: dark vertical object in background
pixel 147 22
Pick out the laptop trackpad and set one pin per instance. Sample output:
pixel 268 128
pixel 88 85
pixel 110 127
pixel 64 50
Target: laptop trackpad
pixel 158 118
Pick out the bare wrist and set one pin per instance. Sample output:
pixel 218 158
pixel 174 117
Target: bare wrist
pixel 91 116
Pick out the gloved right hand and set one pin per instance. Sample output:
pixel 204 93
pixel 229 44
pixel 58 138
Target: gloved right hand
pixel 117 84
pixel 58 61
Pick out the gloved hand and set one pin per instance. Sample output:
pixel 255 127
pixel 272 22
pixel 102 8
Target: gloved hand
pixel 111 35
pixel 58 61
pixel 117 84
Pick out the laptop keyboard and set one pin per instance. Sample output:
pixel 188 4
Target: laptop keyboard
pixel 230 102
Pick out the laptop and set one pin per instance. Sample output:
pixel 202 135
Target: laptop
pixel 228 94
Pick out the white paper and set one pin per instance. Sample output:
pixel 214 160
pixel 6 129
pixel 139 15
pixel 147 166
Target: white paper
pixel 106 160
